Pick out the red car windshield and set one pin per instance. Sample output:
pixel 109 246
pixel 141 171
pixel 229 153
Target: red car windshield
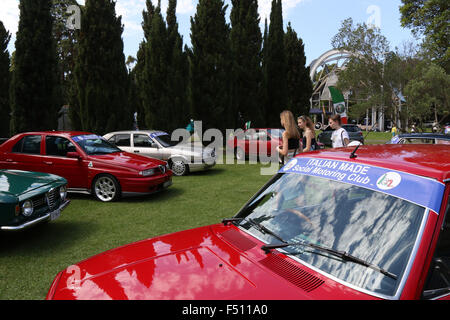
pixel 372 226
pixel 95 145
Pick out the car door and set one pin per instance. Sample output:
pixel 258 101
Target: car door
pixel 146 146
pixel 74 170
pixel 26 155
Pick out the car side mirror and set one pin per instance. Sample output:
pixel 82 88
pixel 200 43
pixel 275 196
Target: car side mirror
pixel 73 155
pixel 154 145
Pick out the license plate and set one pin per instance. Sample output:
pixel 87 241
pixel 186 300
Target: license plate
pixel 55 215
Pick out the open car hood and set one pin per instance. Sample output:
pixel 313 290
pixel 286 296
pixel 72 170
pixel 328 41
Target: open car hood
pixel 209 263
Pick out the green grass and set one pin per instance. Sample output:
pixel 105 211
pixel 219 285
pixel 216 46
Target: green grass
pixel 377 137
pixel 30 260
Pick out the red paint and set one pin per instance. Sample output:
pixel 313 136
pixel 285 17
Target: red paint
pixel 224 263
pixel 255 147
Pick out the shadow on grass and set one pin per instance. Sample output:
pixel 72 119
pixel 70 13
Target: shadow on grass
pixel 164 195
pixel 45 239
pixel 209 172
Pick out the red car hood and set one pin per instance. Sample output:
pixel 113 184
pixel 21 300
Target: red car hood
pixel 209 263
pixel 127 160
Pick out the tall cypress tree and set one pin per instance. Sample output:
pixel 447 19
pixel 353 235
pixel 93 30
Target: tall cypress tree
pixel 156 101
pixel 246 72
pixel 100 71
pixel 275 67
pixel 264 95
pixel 5 36
pixel 34 77
pixel 209 91
pixel 299 86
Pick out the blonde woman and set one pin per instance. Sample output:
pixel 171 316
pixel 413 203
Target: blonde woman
pixel 291 137
pixel 309 137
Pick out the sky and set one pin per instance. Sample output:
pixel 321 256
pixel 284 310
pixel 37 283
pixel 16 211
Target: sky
pixel 315 21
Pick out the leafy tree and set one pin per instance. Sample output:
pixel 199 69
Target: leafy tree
pixel 427 93
pixel 209 91
pixel 298 80
pixel 246 71
pixel 34 78
pixel 100 72
pixel 5 76
pixel 364 74
pixel 275 67
pixel 431 19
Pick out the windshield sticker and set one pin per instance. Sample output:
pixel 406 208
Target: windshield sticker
pixel 396 183
pixel 86 137
pixel 157 134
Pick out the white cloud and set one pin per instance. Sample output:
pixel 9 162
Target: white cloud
pixel 265 6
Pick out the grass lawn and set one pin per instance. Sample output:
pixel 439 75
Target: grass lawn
pixel 30 260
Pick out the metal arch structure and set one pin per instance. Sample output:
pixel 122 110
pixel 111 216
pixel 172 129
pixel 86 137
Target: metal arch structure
pixel 331 63
pixel 326 77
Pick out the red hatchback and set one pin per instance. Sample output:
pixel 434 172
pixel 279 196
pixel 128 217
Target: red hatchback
pixel 88 162
pixel 255 142
pixel 329 225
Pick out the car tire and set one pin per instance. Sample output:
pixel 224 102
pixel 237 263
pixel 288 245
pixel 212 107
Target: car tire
pixel 179 167
pixel 106 188
pixel 239 154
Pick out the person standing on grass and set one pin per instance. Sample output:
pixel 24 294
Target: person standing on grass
pixel 339 137
pixel 309 134
pixel 291 137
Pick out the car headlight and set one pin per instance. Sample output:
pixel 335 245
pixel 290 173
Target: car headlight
pixel 63 193
pixel 27 208
pixel 148 172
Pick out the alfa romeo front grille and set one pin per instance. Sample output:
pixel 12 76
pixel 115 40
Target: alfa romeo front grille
pixel 52 198
pixel 39 202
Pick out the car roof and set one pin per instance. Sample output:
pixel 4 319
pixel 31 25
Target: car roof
pixel 424 160
pixel 134 131
pixel 64 133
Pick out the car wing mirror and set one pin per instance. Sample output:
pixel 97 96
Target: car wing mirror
pixel 73 155
pixel 154 145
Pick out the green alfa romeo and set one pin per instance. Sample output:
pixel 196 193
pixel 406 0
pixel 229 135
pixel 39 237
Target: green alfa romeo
pixel 30 198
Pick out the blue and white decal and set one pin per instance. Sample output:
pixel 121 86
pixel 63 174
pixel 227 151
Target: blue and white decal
pixel 86 137
pixel 157 134
pixel 423 191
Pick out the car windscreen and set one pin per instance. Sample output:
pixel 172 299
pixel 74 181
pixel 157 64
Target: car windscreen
pixel 375 227
pixel 164 139
pixel 95 145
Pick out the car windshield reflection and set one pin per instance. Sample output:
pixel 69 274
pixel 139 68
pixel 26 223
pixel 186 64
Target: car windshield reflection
pixel 95 145
pixel 376 227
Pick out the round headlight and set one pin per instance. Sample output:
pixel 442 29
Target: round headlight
pixel 63 193
pixel 27 208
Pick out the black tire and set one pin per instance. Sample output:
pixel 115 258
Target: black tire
pixel 106 188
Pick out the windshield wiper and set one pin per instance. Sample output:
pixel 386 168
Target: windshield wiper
pixel 265 230
pixel 341 254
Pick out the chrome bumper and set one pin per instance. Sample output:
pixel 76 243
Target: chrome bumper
pixel 36 221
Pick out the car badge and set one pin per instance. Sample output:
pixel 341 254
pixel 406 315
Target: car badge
pixel 90 165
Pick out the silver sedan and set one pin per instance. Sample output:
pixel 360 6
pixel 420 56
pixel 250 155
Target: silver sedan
pixel 182 158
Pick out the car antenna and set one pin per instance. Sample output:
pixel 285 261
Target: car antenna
pixel 353 155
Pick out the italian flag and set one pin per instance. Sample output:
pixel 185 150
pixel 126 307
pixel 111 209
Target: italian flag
pixel 339 103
